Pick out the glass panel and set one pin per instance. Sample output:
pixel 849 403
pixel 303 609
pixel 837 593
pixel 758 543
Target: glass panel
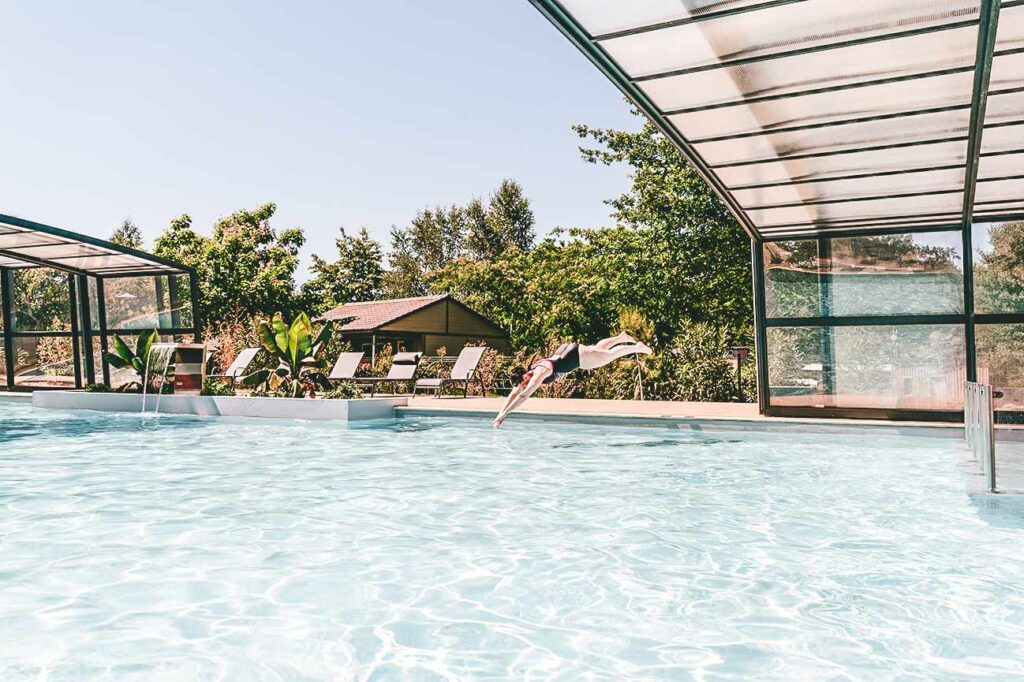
pixel 1001 191
pixel 1002 139
pixel 780 29
pixel 939 126
pixel 906 274
pixel 839 189
pixel 1001 166
pixel 3 364
pixel 999 267
pixel 1000 350
pixel 41 300
pixel 1010 33
pixel 44 361
pixel 181 311
pixel 137 302
pixel 11 239
pixel 917 367
pixel 949 204
pixel 841 67
pixel 921 156
pixel 875 100
pixel 60 251
pixel 605 16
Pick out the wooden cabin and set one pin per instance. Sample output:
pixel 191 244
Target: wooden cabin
pixel 423 323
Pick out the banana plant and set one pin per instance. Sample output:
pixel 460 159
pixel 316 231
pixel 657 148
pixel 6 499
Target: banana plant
pixel 295 348
pixel 124 357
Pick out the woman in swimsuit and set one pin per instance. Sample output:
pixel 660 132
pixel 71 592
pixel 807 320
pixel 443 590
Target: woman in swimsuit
pixel 568 357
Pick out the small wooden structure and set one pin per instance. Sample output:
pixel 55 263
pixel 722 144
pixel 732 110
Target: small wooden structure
pixel 422 324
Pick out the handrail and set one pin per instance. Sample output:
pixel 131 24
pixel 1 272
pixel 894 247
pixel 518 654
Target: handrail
pixel 979 429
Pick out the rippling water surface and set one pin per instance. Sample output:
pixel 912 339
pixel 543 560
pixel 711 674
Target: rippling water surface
pixel 188 548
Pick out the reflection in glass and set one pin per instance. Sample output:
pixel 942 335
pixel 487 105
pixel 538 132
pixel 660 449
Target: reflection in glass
pixel 999 267
pixel 903 274
pixel 891 367
pixel 41 300
pixel 1001 362
pixel 137 302
pixel 44 361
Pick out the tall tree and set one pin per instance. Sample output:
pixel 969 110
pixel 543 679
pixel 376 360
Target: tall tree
pixel 357 274
pixel 127 234
pixel 245 267
pixel 698 253
pixel 404 276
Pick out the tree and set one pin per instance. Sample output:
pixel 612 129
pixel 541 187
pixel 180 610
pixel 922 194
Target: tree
pixel 404 276
pixel 127 234
pixel 245 267
pixel 698 255
pixel 433 239
pixel 357 274
pixel 507 222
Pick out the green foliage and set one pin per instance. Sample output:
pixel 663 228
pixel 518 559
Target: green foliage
pixel 245 267
pixel 295 347
pixel 507 223
pixel 127 234
pixel 344 390
pixel 212 387
pixel 41 299
pixel 357 275
pixel 96 388
pixel 128 357
pixel 445 236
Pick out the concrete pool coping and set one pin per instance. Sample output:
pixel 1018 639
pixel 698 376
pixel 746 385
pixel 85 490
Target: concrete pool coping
pixel 222 406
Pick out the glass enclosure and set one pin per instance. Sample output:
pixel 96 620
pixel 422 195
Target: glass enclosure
pixel 884 321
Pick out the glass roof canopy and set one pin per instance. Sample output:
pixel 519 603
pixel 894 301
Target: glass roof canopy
pixel 816 117
pixel 26 244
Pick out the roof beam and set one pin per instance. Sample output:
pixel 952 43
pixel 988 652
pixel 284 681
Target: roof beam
pixel 986 48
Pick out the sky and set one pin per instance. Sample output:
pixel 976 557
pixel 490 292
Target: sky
pixel 342 113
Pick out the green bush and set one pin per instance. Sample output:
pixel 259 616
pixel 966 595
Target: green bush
pixel 96 388
pixel 344 390
pixel 212 387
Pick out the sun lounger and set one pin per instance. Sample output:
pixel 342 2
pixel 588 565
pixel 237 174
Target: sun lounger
pixel 237 369
pixel 403 368
pixel 463 373
pixel 345 366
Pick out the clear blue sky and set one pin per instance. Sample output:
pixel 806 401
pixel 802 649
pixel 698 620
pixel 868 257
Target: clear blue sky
pixel 343 113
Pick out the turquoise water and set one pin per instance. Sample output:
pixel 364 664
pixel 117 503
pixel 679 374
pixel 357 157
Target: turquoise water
pixel 189 548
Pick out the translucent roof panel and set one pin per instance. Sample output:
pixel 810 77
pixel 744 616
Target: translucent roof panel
pixel 25 244
pixel 824 115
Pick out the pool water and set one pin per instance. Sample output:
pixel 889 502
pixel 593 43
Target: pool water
pixel 199 548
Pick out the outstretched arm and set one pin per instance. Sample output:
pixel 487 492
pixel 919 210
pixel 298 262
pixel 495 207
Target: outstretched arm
pixel 520 393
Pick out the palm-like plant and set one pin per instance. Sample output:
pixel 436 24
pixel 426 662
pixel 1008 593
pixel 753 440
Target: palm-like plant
pixel 124 357
pixel 295 347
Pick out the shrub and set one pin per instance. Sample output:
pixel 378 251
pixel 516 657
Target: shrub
pixel 212 387
pixel 96 388
pixel 344 390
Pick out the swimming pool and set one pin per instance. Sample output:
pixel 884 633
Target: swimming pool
pixel 188 547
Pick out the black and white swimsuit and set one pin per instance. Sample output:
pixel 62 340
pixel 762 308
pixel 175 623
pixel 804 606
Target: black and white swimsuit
pixel 565 360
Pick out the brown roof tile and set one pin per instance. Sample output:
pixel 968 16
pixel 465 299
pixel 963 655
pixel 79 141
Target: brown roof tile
pixel 374 314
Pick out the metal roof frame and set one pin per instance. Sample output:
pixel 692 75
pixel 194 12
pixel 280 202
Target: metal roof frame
pixel 986 21
pixel 138 263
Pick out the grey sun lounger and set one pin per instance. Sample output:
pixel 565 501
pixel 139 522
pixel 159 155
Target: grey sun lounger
pixel 403 368
pixel 345 366
pixel 463 373
pixel 237 369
